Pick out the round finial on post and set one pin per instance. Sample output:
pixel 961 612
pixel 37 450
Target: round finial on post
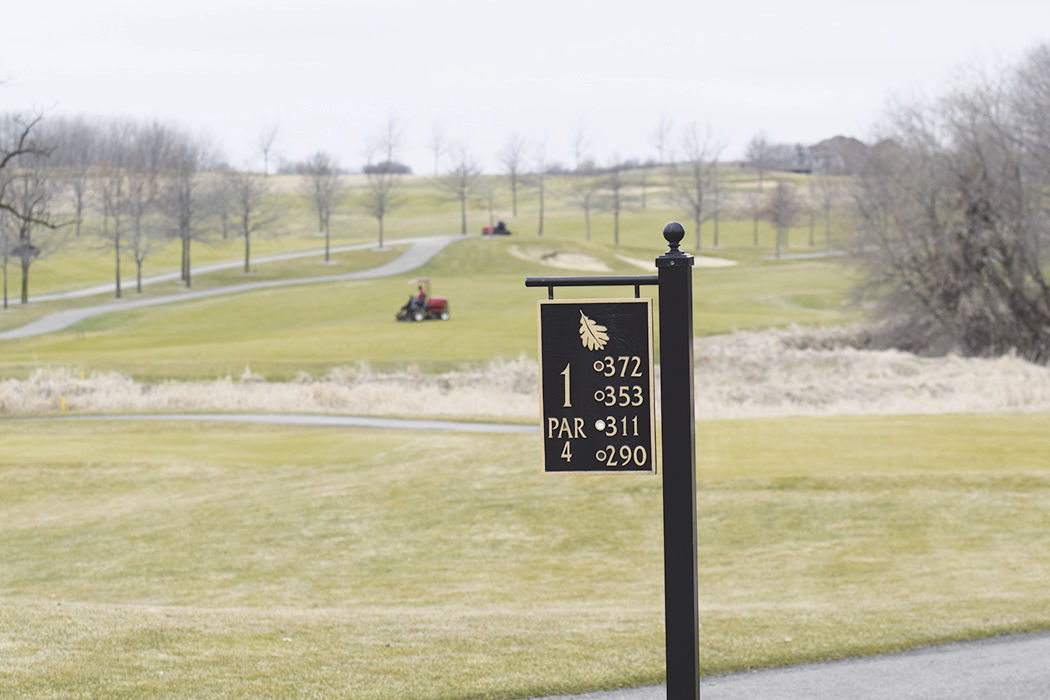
pixel 674 232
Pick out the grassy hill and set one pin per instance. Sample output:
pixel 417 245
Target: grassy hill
pixel 313 328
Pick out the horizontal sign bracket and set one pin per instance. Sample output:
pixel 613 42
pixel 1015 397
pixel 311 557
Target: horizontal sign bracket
pixel 635 281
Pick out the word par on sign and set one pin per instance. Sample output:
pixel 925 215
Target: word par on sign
pixel 596 385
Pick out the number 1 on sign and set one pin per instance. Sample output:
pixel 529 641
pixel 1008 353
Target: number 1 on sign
pixel 565 373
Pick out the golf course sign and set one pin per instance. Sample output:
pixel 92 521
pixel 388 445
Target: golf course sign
pixel 596 385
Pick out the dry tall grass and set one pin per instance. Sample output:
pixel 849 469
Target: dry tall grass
pixel 745 374
pixel 502 389
pixel 813 372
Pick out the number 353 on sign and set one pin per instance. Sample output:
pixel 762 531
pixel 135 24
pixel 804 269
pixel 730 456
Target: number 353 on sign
pixel 596 385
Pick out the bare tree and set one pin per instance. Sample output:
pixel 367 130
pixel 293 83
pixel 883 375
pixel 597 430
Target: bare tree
pixel 1030 103
pixel 513 158
pixel 754 204
pixel 1029 100
pixel 265 145
pixel 695 176
pixel 661 138
pixel 250 201
pixel 27 189
pixel 642 178
pixel 76 150
pixel 759 155
pixel 115 191
pixel 31 192
pixel 462 180
pixel 585 186
pixel 584 193
pixel 323 188
pixel 613 184
pixel 827 193
pixel 186 198
pixel 953 218
pixel 18 141
pixel 438 145
pixel 147 160
pixel 224 197
pixel 8 232
pixel 21 153
pixel 782 209
pixel 383 176
pixel 541 165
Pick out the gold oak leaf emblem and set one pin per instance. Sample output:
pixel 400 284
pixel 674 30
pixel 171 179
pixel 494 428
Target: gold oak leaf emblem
pixel 592 334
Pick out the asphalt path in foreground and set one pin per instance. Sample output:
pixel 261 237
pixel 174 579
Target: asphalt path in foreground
pixel 1014 667
pixel 419 252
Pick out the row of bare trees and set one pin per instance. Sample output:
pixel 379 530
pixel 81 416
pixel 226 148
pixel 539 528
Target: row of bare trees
pixel 144 184
pixel 693 173
pixel 323 186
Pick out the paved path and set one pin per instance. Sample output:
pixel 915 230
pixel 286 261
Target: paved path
pixel 306 419
pixel 1014 667
pixel 110 287
pixel 420 251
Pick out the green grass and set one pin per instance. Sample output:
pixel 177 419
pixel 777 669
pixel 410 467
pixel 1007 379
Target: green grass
pixel 835 537
pixel 300 562
pixel 313 328
pixel 203 560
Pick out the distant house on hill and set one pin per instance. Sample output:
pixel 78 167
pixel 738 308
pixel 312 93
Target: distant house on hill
pixel 839 155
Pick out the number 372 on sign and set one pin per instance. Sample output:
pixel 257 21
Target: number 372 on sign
pixel 596 385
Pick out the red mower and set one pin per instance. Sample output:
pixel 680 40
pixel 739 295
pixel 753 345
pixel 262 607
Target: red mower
pixel 422 306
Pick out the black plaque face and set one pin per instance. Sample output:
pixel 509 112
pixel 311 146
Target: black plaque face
pixel 596 385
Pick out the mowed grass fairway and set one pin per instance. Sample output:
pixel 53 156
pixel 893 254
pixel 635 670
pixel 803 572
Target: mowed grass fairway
pixel 171 559
pixel 312 328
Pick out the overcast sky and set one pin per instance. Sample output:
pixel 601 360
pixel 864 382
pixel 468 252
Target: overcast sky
pixel 328 73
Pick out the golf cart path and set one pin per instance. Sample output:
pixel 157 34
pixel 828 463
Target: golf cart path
pixel 420 252
pixel 1013 666
pixel 110 287
pixel 314 420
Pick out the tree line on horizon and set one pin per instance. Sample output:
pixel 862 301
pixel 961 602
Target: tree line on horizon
pixel 145 183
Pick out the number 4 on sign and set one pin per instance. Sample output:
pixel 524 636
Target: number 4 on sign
pixel 566 453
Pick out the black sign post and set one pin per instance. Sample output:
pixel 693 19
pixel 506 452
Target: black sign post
pixel 681 581
pixel 674 278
